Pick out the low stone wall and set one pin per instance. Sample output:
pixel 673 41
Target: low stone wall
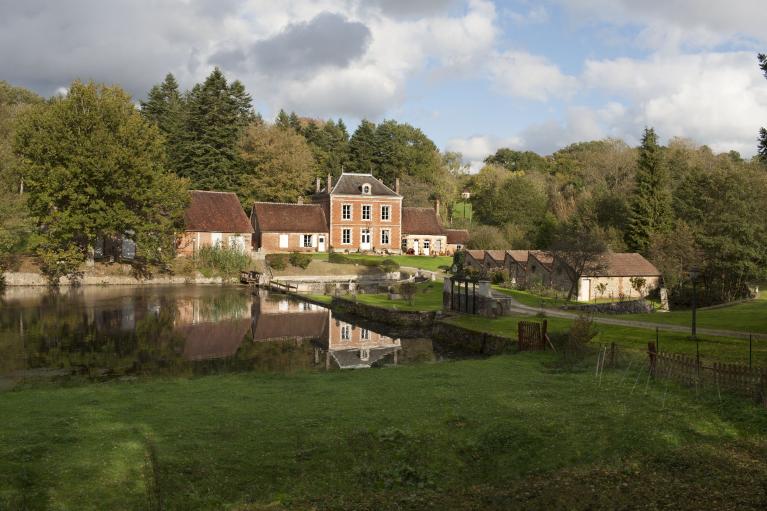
pixel 36 279
pixel 627 307
pixel 381 315
pixel 453 338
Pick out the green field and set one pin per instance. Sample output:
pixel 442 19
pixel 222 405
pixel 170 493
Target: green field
pixel 634 339
pixel 428 298
pixel 431 263
pixel 508 432
pixel 462 210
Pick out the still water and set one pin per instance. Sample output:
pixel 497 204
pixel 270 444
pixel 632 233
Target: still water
pixel 101 333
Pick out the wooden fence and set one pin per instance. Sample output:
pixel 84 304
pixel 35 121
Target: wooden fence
pixel 532 336
pixel 691 370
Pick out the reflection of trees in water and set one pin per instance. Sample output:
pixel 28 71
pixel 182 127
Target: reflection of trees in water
pixel 224 306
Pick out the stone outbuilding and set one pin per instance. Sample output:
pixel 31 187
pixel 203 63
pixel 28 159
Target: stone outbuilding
pixel 214 219
pixel 456 240
pixel 281 227
pixel 494 259
pixel 474 259
pixel 539 268
pixel 515 263
pixel 422 233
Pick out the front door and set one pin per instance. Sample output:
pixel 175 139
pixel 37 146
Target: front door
pixel 365 239
pixel 584 293
pixel 426 247
pixel 415 247
pixel 320 243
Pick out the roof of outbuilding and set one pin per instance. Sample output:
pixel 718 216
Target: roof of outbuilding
pixel 351 184
pixel 496 255
pixel 624 264
pixel 421 221
pixel 215 212
pixel 204 341
pixel 267 327
pixel 457 236
pixel 281 217
pixel 545 258
pixel 519 256
pixel 478 255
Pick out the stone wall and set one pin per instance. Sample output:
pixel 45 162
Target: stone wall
pixel 627 307
pixel 461 340
pixel 381 315
pixel 36 279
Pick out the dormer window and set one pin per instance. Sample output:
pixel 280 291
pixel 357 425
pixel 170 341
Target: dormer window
pixel 366 189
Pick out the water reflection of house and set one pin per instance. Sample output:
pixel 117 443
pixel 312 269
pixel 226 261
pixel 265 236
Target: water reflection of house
pixel 277 319
pixel 352 346
pixel 211 328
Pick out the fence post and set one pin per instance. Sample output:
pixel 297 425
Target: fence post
pixel 544 330
pixel 520 336
pixel 750 352
pixel 612 354
pixel 653 353
pixel 657 338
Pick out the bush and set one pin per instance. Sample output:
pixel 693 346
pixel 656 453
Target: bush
pixel 574 346
pixel 300 260
pixel 277 261
pixel 221 261
pixel 500 276
pixel 338 258
pixel 408 291
pixel 389 265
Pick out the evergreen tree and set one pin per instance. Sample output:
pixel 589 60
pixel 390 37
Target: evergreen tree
pixel 165 107
pixel 282 120
pixel 294 122
pixel 362 148
pixel 216 116
pixel 651 207
pixel 763 132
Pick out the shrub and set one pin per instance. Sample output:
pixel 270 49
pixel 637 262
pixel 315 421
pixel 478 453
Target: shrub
pixel 337 258
pixel 500 276
pixel 222 261
pixel 574 346
pixel 300 260
pixel 408 291
pixel 389 265
pixel 277 261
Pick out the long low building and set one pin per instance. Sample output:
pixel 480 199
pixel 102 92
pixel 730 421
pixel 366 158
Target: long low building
pixel 281 227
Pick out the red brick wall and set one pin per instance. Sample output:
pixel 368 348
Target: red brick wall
pixel 190 241
pixel 375 340
pixel 270 242
pixel 356 224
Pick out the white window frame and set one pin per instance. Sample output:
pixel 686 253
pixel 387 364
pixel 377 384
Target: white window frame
pixel 387 208
pixel 286 239
pixel 366 189
pixel 364 354
pixel 304 238
pixel 344 232
pixel 386 232
pixel 369 235
pixel 343 212
pixel 346 332
pixel 364 334
pixel 216 239
pixel 237 242
pixel 369 211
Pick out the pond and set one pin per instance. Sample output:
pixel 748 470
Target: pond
pixel 100 333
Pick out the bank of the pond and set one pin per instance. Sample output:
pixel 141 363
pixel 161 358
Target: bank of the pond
pixel 497 433
pixel 13 279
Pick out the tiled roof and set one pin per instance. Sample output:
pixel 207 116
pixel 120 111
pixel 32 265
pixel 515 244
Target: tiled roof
pixel 421 221
pixel 280 217
pixel 477 255
pixel 213 340
pixel 268 327
pixel 457 236
pixel 496 255
pixel 215 212
pixel 627 264
pixel 519 256
pixel 543 257
pixel 350 358
pixel 351 184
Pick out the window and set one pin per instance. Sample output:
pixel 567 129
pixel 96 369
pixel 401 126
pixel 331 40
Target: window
pixel 236 242
pixel 215 239
pixel 385 236
pixel 364 354
pixel 283 241
pixel 365 334
pixel 366 189
pixel 366 209
pixel 346 212
pixel 385 213
pixel 346 332
pixel 346 236
pixel 307 241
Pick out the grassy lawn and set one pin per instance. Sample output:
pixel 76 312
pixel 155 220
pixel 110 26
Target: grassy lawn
pixel 635 339
pixel 493 434
pixel 428 298
pixel 431 263
pixel 533 300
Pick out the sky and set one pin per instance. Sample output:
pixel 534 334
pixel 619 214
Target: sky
pixel 474 75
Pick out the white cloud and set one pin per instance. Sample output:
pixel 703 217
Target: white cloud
pixel 478 147
pixel 523 75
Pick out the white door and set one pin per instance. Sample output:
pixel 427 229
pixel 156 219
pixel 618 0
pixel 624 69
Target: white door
pixel 415 247
pixel 283 241
pixel 320 243
pixel 365 240
pixel 215 239
pixel 426 247
pixel 584 290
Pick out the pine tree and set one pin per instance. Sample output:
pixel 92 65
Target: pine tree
pixel 651 208
pixel 282 120
pixel 165 107
pixel 294 122
pixel 216 116
pixel 362 148
pixel 762 149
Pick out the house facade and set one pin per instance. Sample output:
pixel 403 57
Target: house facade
pixel 456 240
pixel 362 213
pixel 281 227
pixel 422 233
pixel 214 219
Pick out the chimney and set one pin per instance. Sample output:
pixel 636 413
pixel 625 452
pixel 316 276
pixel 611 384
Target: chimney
pixel 396 185
pixel 330 182
pixel 436 207
pixel 319 184
pixel 300 200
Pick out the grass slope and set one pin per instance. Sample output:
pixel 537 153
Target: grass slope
pixel 428 298
pixel 500 433
pixel 431 263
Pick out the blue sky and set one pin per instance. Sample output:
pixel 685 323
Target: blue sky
pixel 475 75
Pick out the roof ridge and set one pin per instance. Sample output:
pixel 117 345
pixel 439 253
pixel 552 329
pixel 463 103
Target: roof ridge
pixel 285 203
pixel 212 191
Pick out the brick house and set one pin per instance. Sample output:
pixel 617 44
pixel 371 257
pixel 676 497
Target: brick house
pixel 456 240
pixel 214 219
pixel 615 271
pixel 362 213
pixel 281 227
pixel 422 233
pixel 515 262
